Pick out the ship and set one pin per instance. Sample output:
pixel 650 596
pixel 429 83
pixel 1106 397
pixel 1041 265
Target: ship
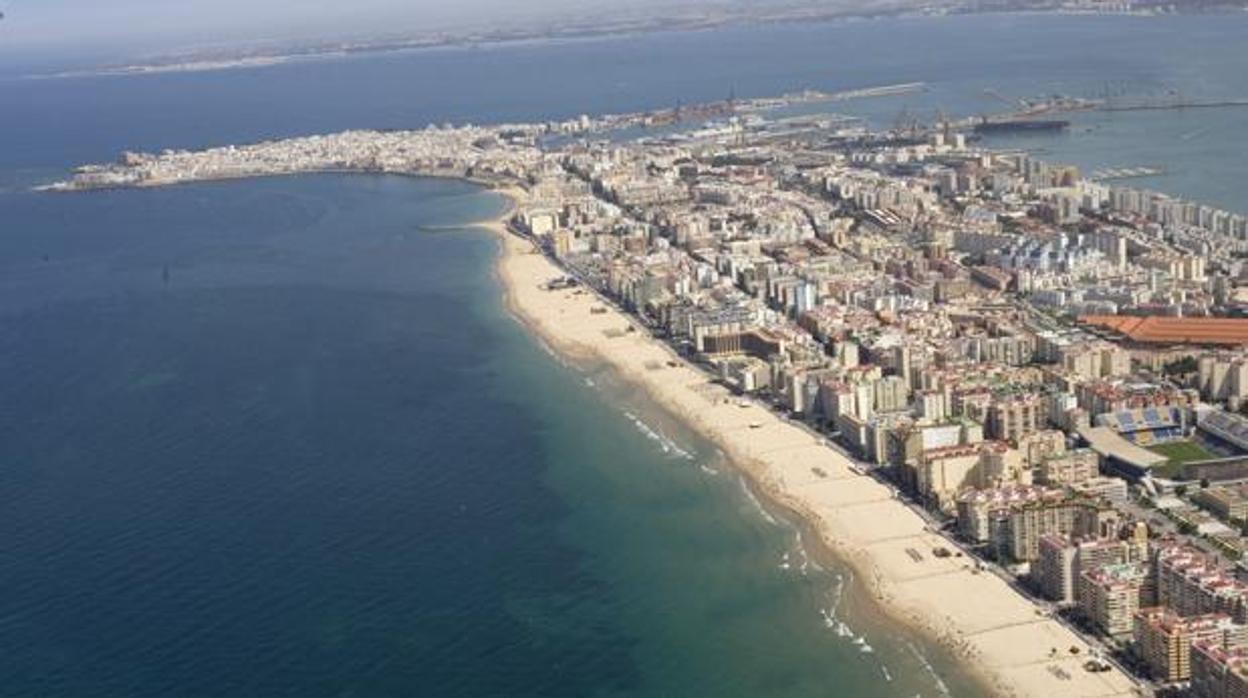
pixel 1025 125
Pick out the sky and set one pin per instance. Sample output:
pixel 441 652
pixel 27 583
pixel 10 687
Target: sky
pixel 78 25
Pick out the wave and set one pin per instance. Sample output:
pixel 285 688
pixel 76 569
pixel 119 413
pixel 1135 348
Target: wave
pixel 796 558
pixel 762 511
pixel 1195 134
pixel 931 670
pixel 836 625
pixel 838 593
pixel 550 351
pixel 831 623
pixel 843 629
pixel 806 561
pixel 668 446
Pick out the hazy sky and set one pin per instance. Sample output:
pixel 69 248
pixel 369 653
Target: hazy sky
pixel 147 24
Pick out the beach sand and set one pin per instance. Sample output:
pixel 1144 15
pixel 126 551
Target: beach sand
pixel 999 633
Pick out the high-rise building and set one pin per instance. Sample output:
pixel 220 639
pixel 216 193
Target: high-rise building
pixel 1096 359
pixel 1014 519
pixel 892 394
pixel 1219 672
pixel 1012 418
pixel 1164 639
pixel 1054 570
pixel 980 512
pixel 941 475
pixel 903 363
pixel 1071 516
pixel 1110 596
pixel 1191 584
pixel 1061 560
pixel 1071 468
pixel 1040 445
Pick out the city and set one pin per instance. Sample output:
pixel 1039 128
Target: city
pixel 1049 367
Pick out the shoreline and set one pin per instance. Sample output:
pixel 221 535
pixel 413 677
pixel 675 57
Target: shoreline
pixel 467 40
pixel 1000 635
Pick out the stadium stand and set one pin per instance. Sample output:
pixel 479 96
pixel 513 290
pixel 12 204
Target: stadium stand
pixel 1145 426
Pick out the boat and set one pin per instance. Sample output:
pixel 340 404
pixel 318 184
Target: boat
pixel 1025 125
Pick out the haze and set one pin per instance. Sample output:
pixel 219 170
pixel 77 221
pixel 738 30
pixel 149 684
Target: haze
pixel 76 25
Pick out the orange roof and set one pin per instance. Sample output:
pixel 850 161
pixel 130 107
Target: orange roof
pixel 1174 330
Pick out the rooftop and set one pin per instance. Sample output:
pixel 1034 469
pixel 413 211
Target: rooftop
pixel 1174 330
pixel 1107 442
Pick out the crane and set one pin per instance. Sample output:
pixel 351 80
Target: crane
pixel 946 127
pixel 906 123
pixel 1003 99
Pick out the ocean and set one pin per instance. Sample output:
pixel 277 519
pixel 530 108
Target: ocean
pixel 281 436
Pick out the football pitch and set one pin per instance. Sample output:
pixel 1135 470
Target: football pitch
pixel 1183 451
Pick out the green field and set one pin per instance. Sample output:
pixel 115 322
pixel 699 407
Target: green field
pixel 1180 452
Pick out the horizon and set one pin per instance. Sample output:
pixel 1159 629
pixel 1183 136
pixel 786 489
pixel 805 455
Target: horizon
pixel 61 28
pixel 716 347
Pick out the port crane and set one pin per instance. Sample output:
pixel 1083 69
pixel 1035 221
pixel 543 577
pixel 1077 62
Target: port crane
pixel 907 123
pixel 1021 104
pixel 944 124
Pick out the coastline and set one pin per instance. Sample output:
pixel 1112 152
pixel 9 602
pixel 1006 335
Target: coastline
pixel 1001 636
pixel 1102 142
pixel 619 28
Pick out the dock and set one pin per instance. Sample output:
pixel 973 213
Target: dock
pixel 1109 173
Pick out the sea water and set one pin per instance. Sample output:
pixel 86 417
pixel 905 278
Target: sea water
pixel 280 436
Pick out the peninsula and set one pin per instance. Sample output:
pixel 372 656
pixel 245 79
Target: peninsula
pixel 901 338
pixel 607 20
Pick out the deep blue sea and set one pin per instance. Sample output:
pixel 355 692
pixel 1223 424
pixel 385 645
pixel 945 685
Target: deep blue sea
pixel 280 437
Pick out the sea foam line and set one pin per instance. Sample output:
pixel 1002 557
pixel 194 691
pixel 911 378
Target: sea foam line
pixel 807 561
pixel 749 495
pixel 656 435
pixel 931 670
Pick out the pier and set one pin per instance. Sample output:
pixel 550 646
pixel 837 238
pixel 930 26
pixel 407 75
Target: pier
pixel 1110 173
pixel 1168 105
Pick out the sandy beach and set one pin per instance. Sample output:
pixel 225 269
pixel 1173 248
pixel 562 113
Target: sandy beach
pixel 1001 635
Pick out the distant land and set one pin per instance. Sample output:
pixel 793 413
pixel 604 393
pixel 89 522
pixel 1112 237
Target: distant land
pixel 704 16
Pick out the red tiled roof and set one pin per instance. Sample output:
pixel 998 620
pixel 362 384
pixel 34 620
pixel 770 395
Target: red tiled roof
pixel 1174 330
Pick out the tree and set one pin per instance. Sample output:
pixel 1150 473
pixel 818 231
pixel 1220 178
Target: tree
pixel 1180 367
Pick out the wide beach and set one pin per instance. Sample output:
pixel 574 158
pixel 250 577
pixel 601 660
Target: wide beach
pixel 1004 637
